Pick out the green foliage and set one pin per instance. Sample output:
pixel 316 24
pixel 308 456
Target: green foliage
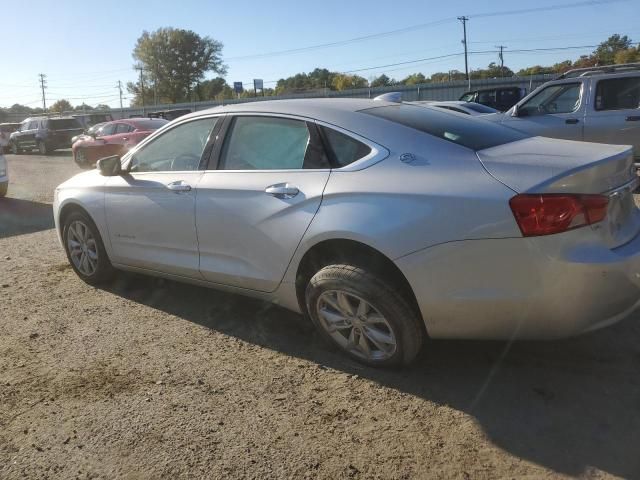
pixel 606 51
pixel 174 61
pixel 629 55
pixel 414 79
pixel 346 82
pixel 102 106
pixel 382 81
pixel 61 105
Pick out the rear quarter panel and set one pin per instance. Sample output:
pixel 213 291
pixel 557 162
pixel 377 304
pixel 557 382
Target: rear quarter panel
pixel 398 208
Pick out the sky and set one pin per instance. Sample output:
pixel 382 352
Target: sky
pixel 84 48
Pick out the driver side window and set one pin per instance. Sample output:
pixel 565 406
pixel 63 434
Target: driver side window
pixel 564 98
pixel 178 149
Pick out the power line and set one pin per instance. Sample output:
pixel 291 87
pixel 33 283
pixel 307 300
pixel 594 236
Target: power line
pixel 422 26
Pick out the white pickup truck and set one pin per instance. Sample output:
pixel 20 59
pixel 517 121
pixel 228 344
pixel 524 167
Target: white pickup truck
pixel 598 104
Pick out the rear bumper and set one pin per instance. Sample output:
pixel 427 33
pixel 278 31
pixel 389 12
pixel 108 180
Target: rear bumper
pixel 538 288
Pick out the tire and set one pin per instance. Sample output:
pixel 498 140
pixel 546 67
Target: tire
pixel 97 268
pixel 4 186
pixel 42 148
pixel 388 319
pixel 15 149
pixel 80 157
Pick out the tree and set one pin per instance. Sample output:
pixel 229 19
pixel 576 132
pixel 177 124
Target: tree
pixel 382 81
pixel 83 107
pixel 102 106
pixel 535 70
pixel 346 82
pixel 210 89
pixel 173 62
pixel 629 55
pixel 606 51
pixel 414 79
pixel 447 76
pixel 61 105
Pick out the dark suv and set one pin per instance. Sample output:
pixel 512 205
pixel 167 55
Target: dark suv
pixel 45 134
pixel 500 98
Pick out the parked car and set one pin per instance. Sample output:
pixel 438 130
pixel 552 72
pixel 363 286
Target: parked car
pixel 382 222
pixel 459 106
pixel 113 138
pixel 500 98
pixel 6 129
pixel 90 119
pixel 44 134
pixel 88 133
pixel 170 114
pixel 599 104
pixel 4 176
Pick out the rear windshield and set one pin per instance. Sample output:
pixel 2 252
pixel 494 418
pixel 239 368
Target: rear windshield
pixel 466 131
pixel 64 124
pixel 151 124
pixel 478 107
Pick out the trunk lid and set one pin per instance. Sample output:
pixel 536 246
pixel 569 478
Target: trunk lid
pixel 545 165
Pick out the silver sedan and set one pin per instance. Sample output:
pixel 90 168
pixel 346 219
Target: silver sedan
pixel 384 223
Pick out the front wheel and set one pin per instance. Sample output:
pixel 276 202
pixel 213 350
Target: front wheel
pixel 15 149
pixel 42 148
pixel 81 158
pixel 85 250
pixel 364 316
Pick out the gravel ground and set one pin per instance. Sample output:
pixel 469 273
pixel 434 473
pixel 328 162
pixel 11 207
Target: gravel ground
pixel 147 378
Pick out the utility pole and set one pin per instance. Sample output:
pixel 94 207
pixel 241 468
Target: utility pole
pixel 464 20
pixel 43 85
pixel 141 88
pixel 119 87
pixel 501 57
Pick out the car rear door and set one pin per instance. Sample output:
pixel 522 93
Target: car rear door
pixel 613 113
pixel 555 111
pixel 151 209
pixel 257 199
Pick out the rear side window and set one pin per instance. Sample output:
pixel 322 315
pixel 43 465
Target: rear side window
pixel 462 130
pixel 342 149
pixel 268 143
pixel 477 107
pixel 64 124
pixel 123 128
pixel 618 94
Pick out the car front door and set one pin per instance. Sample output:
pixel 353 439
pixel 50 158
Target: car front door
pixel 150 209
pixel 27 138
pixel 614 114
pixel 253 209
pixel 555 111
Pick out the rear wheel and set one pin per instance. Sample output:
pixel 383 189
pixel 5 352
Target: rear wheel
pixel 85 250
pixel 4 186
pixel 363 316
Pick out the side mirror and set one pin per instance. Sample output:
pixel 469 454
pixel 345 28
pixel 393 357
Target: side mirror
pixel 110 166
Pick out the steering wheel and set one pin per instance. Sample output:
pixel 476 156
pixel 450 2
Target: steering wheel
pixel 185 161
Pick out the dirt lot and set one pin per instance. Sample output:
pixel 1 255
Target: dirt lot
pixel 149 379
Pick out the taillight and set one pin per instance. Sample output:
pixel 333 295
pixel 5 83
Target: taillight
pixel 546 214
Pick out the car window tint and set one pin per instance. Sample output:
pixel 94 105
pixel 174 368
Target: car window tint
pixel 33 125
pixel 177 149
pixel 105 130
pixel 342 148
pixel 123 128
pixel 462 130
pixel 618 94
pixel 562 98
pixel 265 143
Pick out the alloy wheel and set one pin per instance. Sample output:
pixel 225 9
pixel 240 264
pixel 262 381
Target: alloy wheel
pixel 356 325
pixel 83 249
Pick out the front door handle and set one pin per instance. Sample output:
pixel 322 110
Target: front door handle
pixel 633 118
pixel 179 186
pixel 571 121
pixel 282 190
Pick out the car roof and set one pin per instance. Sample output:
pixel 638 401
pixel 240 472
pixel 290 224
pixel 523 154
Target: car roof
pixel 318 108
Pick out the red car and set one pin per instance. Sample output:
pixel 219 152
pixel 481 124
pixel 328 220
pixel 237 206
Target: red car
pixel 113 138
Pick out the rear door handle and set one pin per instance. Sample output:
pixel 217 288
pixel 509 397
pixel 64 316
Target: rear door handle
pixel 282 190
pixel 179 186
pixel 633 118
pixel 571 121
